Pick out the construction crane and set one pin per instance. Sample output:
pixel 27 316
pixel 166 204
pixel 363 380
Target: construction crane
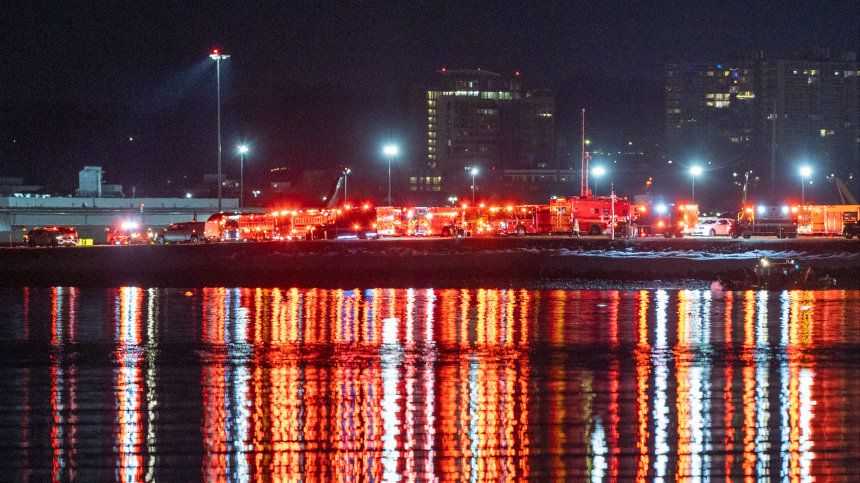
pixel 845 197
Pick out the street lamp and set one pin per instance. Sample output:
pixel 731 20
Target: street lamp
pixel 804 173
pixel 346 171
pixel 217 56
pixel 242 151
pixel 598 171
pixel 390 151
pixel 695 171
pixel 452 200
pixel 474 173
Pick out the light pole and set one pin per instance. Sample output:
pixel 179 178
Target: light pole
pixel 346 171
pixel 804 173
pixel 218 56
pixel 598 171
pixel 474 173
pixel 695 171
pixel 390 151
pixel 242 151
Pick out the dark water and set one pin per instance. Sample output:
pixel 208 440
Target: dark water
pixel 428 385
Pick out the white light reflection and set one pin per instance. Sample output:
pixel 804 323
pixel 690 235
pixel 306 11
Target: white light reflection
pixel 128 390
pixel 151 394
pixel 660 357
pixel 237 405
pixel 474 438
pixel 390 358
pixel 599 449
pixel 806 403
pixel 700 390
pixel 429 385
pixel 762 435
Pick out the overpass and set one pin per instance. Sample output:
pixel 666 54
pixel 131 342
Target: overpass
pixel 90 216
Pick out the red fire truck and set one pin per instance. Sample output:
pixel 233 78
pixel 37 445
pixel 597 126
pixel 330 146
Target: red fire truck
pixel 520 220
pixel 825 219
pixel 594 214
pixel 240 227
pixel 392 221
pixel 433 221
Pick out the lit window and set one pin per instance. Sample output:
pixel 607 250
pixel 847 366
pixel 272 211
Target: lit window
pixel 413 180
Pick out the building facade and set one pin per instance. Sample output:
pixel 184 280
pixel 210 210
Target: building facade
pixel 769 114
pixel 477 119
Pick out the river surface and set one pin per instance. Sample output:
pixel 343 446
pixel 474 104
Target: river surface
pixel 238 384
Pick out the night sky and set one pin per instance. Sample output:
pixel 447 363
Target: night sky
pixel 129 85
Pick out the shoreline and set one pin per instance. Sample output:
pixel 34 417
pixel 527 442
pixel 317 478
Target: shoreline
pixel 546 262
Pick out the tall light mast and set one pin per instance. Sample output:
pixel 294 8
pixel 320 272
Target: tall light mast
pixel 582 161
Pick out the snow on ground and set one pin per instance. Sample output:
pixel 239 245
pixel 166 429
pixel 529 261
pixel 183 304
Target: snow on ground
pixel 701 255
pixel 626 253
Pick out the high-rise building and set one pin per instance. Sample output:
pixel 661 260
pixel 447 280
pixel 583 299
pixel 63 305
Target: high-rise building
pixel 480 119
pixel 766 114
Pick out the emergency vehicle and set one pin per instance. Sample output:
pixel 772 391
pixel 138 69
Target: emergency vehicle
pixel 825 219
pixel 345 223
pixel 392 221
pixel 519 220
pixel 595 214
pixel 433 221
pixel 301 224
pixel 655 218
pixel 240 227
pixel 764 220
pixel 126 233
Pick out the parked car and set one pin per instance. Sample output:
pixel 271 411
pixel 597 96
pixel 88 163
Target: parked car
pixel 191 232
pixel 52 236
pixel 713 227
pixel 40 237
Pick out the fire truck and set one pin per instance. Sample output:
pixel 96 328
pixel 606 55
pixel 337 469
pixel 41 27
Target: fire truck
pixel 594 214
pixel 348 222
pixel 240 227
pixel 302 224
pixel 764 220
pixel 392 221
pixel 519 220
pixel 433 221
pixel 654 218
pixel 825 219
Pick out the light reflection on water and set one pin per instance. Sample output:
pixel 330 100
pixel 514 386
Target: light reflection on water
pixel 428 385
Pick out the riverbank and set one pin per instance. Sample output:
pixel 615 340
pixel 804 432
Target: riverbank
pixel 531 262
